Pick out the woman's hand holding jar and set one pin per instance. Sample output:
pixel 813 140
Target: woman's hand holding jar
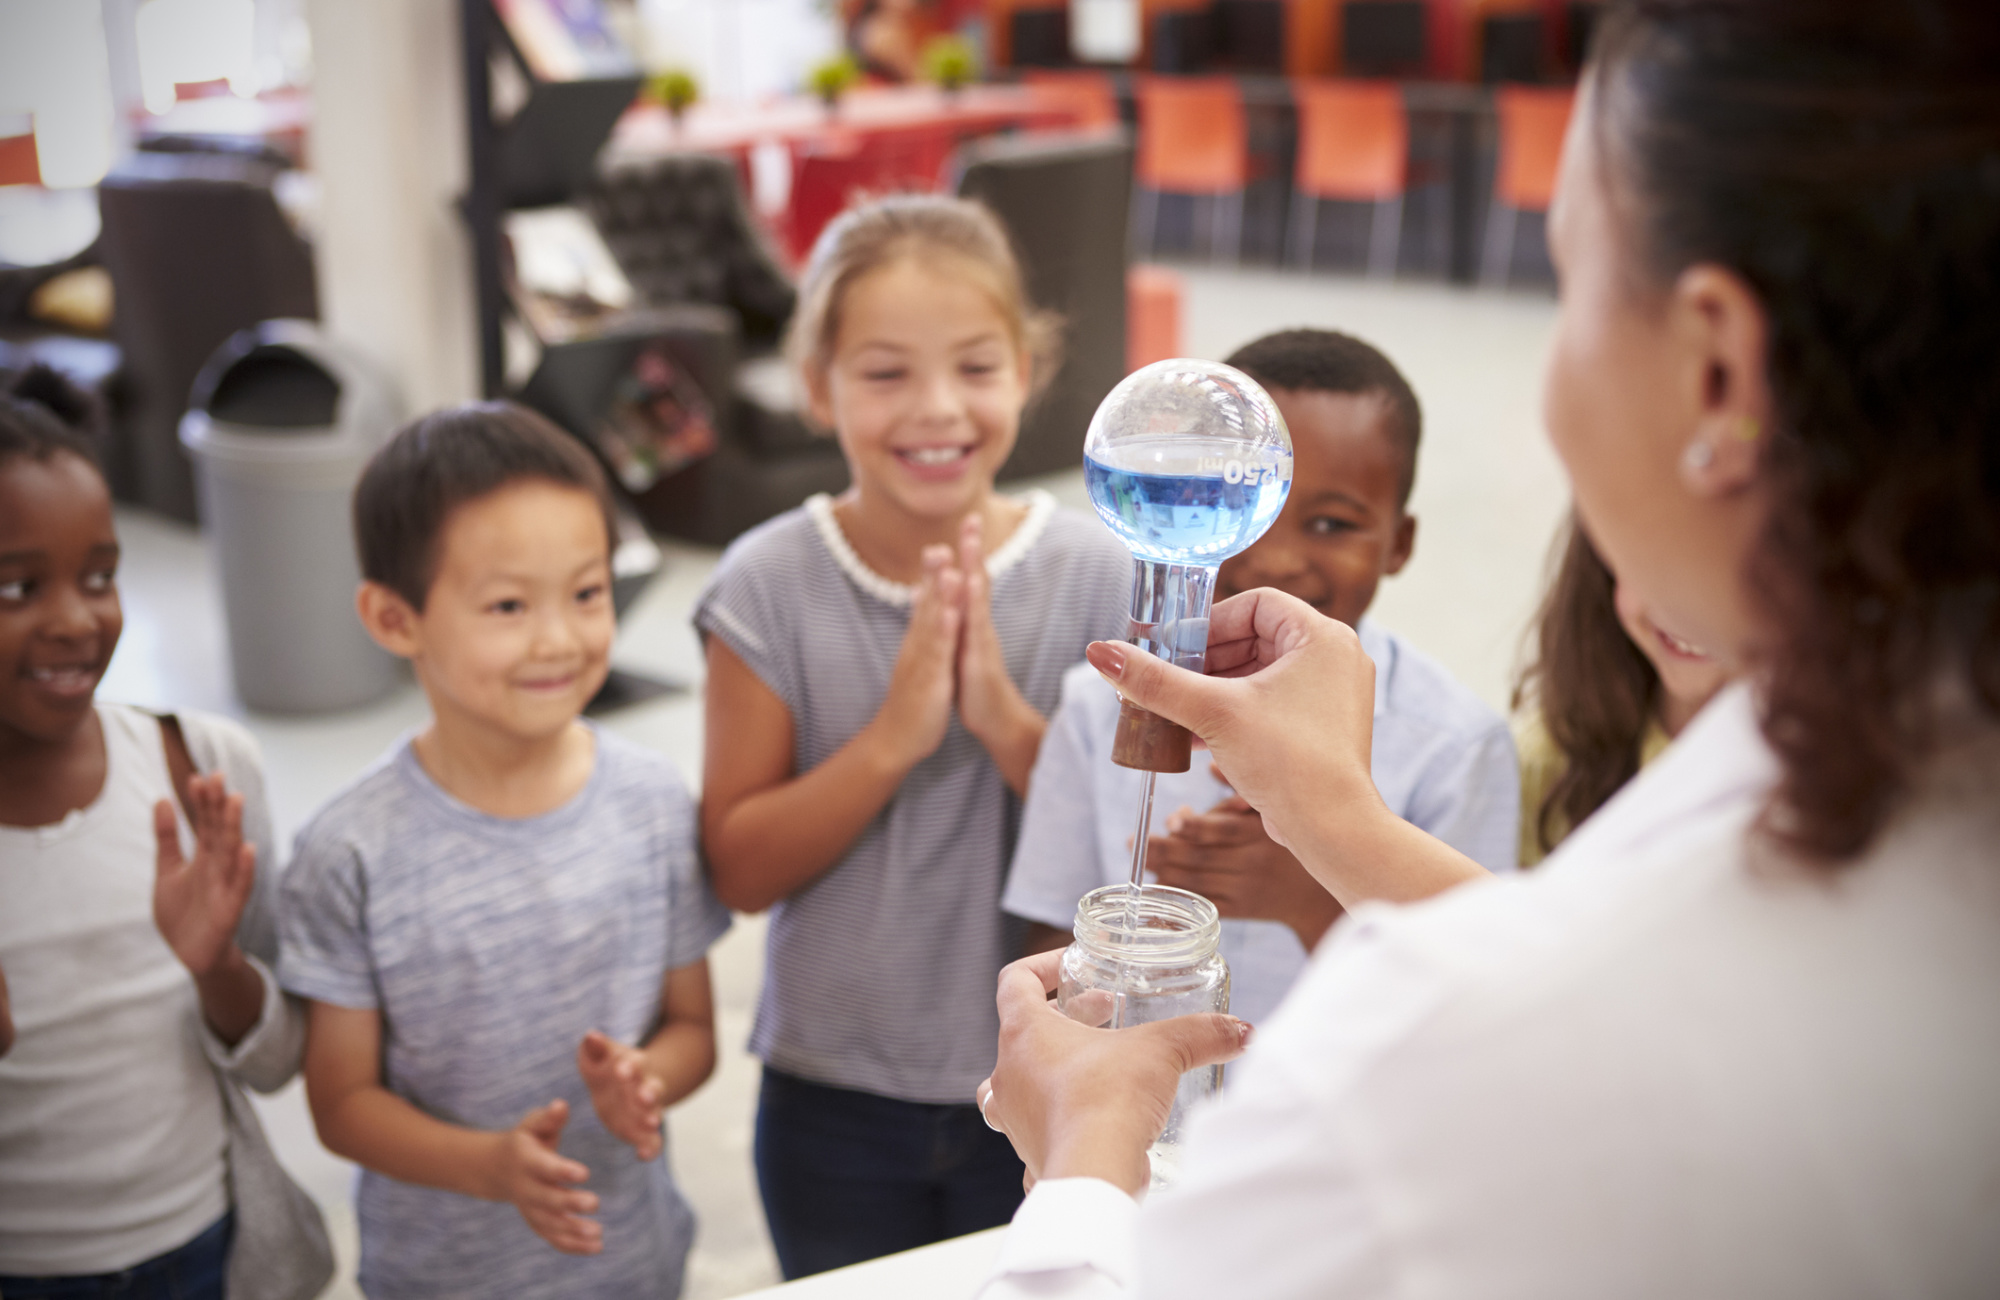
pixel 1079 1102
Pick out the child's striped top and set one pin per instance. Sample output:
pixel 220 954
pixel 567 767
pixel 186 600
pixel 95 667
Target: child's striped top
pixel 880 972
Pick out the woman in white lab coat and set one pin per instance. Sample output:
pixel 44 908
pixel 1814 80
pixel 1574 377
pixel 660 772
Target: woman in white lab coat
pixel 1741 1034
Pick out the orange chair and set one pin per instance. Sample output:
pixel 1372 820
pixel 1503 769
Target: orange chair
pixel 1153 297
pixel 1192 140
pixel 20 164
pixel 1354 145
pixel 1091 98
pixel 1532 121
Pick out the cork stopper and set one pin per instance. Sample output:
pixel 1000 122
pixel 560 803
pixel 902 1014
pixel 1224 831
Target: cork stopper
pixel 1149 742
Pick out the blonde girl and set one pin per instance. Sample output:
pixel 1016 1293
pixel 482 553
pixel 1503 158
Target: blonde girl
pixel 880 669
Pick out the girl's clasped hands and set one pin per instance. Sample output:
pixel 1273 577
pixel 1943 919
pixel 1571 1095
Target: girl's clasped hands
pixel 951 658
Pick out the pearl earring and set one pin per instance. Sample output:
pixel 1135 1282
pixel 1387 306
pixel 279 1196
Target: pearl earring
pixel 1699 456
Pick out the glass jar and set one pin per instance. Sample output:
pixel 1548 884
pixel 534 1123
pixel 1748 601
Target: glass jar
pixel 1146 955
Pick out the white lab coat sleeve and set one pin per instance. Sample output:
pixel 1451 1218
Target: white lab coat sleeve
pixel 1072 1239
pixel 1271 1203
pixel 1267 1206
pixel 1276 1197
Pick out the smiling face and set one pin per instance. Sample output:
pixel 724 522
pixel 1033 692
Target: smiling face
pixel 924 386
pixel 1689 675
pixel 515 634
pixel 59 612
pixel 1343 528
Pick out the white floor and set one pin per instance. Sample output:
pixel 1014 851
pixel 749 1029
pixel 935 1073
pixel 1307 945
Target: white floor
pixel 1488 495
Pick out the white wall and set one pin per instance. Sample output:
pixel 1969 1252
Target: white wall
pixel 738 49
pixel 388 144
pixel 55 73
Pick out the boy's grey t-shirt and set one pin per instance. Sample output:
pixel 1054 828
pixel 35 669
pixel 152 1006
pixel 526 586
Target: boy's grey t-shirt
pixel 1442 760
pixel 491 946
pixel 879 972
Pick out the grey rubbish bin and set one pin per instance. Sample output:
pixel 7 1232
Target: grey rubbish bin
pixel 281 424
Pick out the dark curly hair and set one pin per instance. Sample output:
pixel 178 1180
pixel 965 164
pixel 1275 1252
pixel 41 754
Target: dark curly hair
pixel 42 413
pixel 1328 361
pixel 1843 158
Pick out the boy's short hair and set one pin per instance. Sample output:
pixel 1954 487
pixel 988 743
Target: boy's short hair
pixel 1328 361
pixel 441 461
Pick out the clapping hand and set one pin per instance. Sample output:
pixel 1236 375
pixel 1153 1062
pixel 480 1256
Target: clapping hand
pixel 630 1101
pixel 542 1184
pixel 917 711
pixel 951 657
pixel 198 900
pixel 1227 857
pixel 988 700
pixel 991 706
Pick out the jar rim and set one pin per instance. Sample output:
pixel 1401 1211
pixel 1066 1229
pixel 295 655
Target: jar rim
pixel 1175 926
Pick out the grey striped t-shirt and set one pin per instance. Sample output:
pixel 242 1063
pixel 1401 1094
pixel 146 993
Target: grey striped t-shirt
pixel 491 946
pixel 879 973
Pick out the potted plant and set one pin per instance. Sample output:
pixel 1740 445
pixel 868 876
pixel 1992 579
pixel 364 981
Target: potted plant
pixel 949 63
pixel 831 78
pixel 676 88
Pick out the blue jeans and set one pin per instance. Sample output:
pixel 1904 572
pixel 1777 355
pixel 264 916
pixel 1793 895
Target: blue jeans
pixel 848 1176
pixel 190 1272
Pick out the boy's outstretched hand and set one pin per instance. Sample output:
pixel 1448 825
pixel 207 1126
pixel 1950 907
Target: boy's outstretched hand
pixel 630 1101
pixel 1226 856
pixel 197 901
pixel 542 1185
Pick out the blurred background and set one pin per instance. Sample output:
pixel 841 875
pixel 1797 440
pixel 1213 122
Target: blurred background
pixel 266 231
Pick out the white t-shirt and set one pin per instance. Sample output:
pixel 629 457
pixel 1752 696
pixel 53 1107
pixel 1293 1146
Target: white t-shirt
pixel 1441 759
pixel 1665 1064
pixel 112 1130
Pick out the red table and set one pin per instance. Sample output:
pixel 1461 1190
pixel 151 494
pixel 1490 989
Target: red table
pixel 876 139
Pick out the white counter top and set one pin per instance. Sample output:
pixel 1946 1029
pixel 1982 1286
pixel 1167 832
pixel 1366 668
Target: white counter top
pixel 948 1270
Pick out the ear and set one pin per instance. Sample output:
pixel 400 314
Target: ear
pixel 1724 326
pixel 1401 546
pixel 819 395
pixel 389 619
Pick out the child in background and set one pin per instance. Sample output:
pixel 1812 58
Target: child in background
pixel 130 1160
pixel 501 926
pixel 1608 690
pixel 1442 759
pixel 879 671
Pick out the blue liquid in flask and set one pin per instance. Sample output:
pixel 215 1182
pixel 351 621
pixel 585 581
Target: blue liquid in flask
pixel 1170 501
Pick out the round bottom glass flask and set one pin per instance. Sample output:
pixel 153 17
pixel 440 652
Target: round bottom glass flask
pixel 1146 955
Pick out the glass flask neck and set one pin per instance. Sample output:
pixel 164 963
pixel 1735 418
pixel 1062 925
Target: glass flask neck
pixel 1170 611
pixel 1163 927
